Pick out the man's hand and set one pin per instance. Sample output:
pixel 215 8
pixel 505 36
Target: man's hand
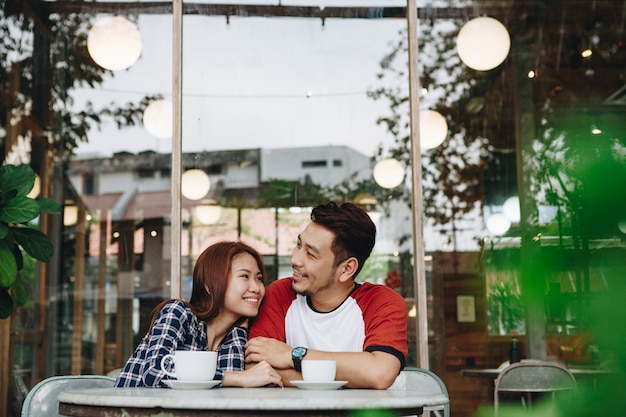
pixel 277 354
pixel 372 370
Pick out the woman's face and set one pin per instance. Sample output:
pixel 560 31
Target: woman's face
pixel 245 288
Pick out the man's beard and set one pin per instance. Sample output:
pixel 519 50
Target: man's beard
pixel 306 293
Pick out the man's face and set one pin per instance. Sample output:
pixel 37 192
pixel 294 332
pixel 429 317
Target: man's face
pixel 312 262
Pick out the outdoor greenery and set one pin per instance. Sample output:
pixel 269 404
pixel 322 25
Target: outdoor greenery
pixel 581 175
pixel 38 61
pixel 451 173
pixel 505 310
pixel 43 60
pixel 17 235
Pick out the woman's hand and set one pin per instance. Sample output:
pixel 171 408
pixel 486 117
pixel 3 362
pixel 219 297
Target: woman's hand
pixel 260 375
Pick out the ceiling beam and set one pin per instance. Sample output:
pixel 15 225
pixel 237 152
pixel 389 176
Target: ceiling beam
pixel 228 10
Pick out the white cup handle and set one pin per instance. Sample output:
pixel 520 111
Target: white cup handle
pixel 169 357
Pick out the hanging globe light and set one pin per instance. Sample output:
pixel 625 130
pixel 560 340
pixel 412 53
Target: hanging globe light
pixel 208 213
pixel 498 224
pixel 388 173
pixel 114 43
pixel 157 119
pixel 70 214
pixel 36 190
pixel 433 129
pixel 483 43
pixel 195 184
pixel 511 209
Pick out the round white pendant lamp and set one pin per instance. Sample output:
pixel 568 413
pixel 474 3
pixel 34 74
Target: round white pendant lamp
pixel 483 43
pixel 195 184
pixel 208 213
pixel 114 43
pixel 498 224
pixel 388 173
pixel 433 129
pixel 511 209
pixel 36 190
pixel 70 215
pixel 157 119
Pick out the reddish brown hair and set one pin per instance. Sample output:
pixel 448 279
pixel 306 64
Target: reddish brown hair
pixel 210 278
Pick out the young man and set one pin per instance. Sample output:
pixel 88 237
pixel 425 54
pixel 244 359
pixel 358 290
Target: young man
pixel 322 313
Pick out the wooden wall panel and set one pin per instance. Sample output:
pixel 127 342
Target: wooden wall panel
pixel 466 343
pixel 460 345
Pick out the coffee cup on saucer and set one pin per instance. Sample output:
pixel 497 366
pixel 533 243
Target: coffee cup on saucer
pixel 190 365
pixel 318 370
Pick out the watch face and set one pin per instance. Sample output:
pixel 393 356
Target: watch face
pixel 299 352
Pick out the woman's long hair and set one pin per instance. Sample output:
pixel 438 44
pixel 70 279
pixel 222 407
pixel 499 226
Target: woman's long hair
pixel 210 278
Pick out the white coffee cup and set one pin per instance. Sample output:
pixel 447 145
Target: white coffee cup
pixel 190 365
pixel 319 370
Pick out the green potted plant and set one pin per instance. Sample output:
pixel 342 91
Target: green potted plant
pixel 17 235
pixel 505 309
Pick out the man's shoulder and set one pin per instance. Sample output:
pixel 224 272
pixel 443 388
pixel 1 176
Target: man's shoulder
pixel 370 292
pixel 282 285
pixel 280 292
pixel 370 286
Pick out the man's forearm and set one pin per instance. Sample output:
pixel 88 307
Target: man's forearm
pixel 374 370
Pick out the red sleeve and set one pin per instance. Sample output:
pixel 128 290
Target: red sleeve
pixel 385 316
pixel 271 319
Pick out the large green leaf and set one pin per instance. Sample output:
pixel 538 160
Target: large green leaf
pixel 6 303
pixel 19 258
pixel 20 178
pixel 34 242
pixel 19 292
pixel 8 267
pixel 49 206
pixel 20 209
pixel 4 230
pixel 7 173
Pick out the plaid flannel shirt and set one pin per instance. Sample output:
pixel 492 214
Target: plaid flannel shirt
pixel 178 328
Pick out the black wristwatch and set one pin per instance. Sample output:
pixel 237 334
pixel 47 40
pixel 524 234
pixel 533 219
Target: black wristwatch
pixel 296 355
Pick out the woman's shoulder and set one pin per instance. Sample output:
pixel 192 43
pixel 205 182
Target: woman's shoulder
pixel 236 336
pixel 239 331
pixel 176 307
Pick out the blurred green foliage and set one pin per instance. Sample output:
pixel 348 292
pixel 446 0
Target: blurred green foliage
pixel 606 395
pixel 505 310
pixel 17 210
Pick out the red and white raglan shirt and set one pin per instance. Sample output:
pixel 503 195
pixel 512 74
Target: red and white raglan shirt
pixel 372 318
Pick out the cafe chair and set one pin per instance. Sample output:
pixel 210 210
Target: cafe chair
pixel 41 401
pixel 423 380
pixel 114 373
pixel 532 377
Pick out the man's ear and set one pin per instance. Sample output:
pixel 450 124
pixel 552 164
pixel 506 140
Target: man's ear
pixel 348 269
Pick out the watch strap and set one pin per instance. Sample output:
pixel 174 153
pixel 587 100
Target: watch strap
pixel 296 356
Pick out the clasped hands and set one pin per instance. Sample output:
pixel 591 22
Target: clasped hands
pixel 272 351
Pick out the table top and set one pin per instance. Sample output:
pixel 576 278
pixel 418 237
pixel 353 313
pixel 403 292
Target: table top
pixel 494 372
pixel 240 401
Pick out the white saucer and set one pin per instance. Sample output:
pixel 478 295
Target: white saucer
pixel 174 384
pixel 319 385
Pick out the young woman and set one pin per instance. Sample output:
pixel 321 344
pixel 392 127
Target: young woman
pixel 227 289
